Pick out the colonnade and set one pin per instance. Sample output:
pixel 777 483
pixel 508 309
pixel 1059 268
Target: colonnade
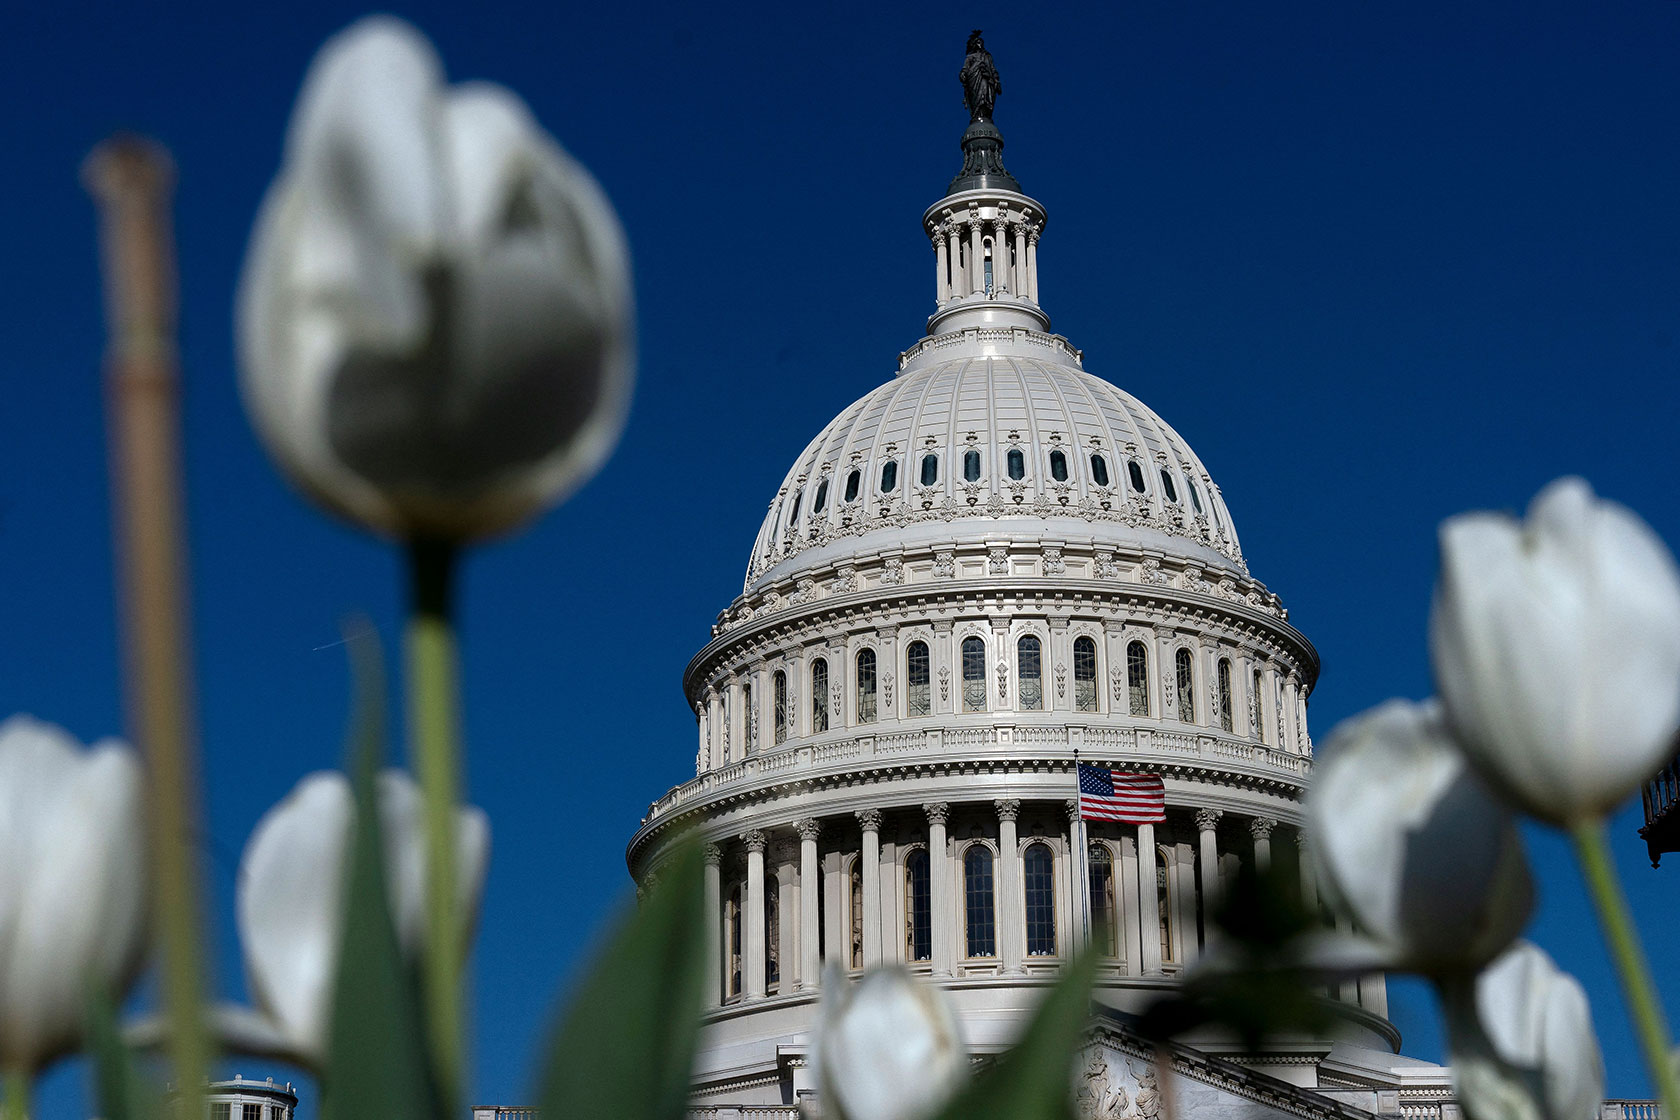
pixel 960 244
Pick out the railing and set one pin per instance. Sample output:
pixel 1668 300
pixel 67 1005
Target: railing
pixel 503 1112
pixel 1629 1110
pixel 745 1112
pixel 1662 791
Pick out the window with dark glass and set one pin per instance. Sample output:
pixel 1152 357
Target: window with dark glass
pixel 1099 470
pixel 732 915
pixel 1186 686
pixel 1163 900
pixel 930 469
pixel 1084 675
pixel 1058 466
pixel 1017 464
pixel 918 696
pixel 772 937
pixel 856 895
pixel 778 684
pixel 1028 654
pixel 978 907
pixel 1038 879
pixel 1136 474
pixel 1195 495
pixel 866 686
pixel 1137 678
pixel 822 497
pixel 1225 719
pixel 918 907
pixel 971 466
pixel 1167 485
pixel 250 1112
pixel 889 476
pixel 750 721
pixel 1103 925
pixel 819 696
pixel 974 675
pixel 988 267
pixel 1256 725
pixel 793 510
pixel 221 1110
pixel 852 481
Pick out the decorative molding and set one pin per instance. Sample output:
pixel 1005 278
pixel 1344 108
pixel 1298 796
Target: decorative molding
pixel 938 812
pixel 870 819
pixel 1061 680
pixel 712 854
pixel 886 691
pixel 808 828
pixel 997 561
pixel 1008 808
pixel 1261 827
pixel 754 839
pixel 1207 820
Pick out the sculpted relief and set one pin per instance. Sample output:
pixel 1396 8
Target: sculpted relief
pixel 1110 1093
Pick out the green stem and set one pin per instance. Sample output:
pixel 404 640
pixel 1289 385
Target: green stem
pixel 16 1103
pixel 1622 937
pixel 435 734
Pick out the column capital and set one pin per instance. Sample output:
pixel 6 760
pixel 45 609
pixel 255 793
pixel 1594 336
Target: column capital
pixel 755 840
pixel 1008 808
pixel 938 812
pixel 870 819
pixel 1261 827
pixel 1208 819
pixel 1073 810
pixel 808 828
pixel 712 854
pixel 1300 840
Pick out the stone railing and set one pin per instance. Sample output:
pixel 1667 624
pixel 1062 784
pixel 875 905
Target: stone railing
pixel 1629 1110
pixel 745 1112
pixel 854 751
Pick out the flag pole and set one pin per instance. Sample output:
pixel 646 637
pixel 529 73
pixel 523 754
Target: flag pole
pixel 1080 854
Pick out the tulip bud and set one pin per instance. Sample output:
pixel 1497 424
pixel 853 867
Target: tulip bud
pixel 291 896
pixel 1522 1041
pixel 1412 846
pixel 888 1048
pixel 72 884
pixel 1556 650
pixel 435 314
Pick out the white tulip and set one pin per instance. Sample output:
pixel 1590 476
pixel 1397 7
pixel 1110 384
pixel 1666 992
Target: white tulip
pixel 292 896
pixel 1556 650
pixel 888 1048
pixel 72 884
pixel 1522 1041
pixel 435 315
pixel 1411 844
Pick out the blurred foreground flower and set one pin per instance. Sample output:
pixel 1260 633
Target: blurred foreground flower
pixel 435 314
pixel 1522 1041
pixel 888 1047
pixel 72 885
pixel 1413 846
pixel 291 901
pixel 1556 650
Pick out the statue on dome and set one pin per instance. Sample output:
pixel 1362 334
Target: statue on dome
pixel 979 78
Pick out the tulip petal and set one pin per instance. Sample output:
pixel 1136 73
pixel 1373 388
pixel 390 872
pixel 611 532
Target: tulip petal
pixel 888 1048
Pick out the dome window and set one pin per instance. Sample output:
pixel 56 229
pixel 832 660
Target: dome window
pixel 918 906
pixel 1030 669
pixel 971 466
pixel 1084 675
pixel 793 510
pixel 819 696
pixel 979 906
pixel 1017 464
pixel 1137 678
pixel 1038 874
pixel 930 469
pixel 852 482
pixel 1195 495
pixel 918 700
pixel 822 497
pixel 1136 473
pixel 866 699
pixel 1099 470
pixel 889 476
pixel 1167 485
pixel 1058 466
pixel 974 675
pixel 1185 677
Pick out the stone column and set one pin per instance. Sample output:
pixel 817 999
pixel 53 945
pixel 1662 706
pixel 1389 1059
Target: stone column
pixel 940 913
pixel 1021 281
pixel 1032 266
pixel 1008 899
pixel 976 254
pixel 714 717
pixel 714 924
pixel 1303 738
pixel 1149 901
pixel 1207 828
pixel 953 253
pixel 752 966
pixel 1261 829
pixel 763 710
pixel 1079 879
pixel 810 888
pixel 941 286
pixel 704 750
pixel 1287 720
pixel 736 711
pixel 870 820
pixel 1309 877
pixel 1001 279
pixel 787 922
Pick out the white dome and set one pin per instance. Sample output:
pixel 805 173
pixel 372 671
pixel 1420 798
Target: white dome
pixel 1002 392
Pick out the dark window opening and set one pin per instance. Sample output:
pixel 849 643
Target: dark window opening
pixel 1017 465
pixel 1058 466
pixel 852 481
pixel 971 466
pixel 1099 470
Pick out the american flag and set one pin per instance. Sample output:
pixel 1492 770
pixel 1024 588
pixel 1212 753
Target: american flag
pixel 1114 795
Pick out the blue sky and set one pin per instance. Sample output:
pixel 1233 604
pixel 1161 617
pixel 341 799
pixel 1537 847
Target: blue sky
pixel 1378 263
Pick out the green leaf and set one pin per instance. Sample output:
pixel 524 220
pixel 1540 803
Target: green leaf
pixel 119 1088
pixel 1034 1080
pixel 376 1065
pixel 625 1046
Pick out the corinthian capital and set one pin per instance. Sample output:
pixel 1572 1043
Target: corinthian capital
pixel 938 812
pixel 712 854
pixel 1008 808
pixel 870 819
pixel 755 840
pixel 1208 819
pixel 808 828
pixel 1261 827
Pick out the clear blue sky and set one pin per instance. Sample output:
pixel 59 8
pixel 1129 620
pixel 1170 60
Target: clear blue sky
pixel 1378 263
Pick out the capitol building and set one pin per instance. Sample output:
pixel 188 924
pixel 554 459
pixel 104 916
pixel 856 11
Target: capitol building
pixel 990 567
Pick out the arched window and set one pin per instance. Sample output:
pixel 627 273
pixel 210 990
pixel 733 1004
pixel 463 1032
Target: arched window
pixel 1137 678
pixel 750 722
pixel 918 696
pixel 971 466
pixel 1163 900
pixel 1038 878
pixel 819 696
pixel 772 936
pixel 1031 667
pixel 1186 686
pixel 1084 675
pixel 1256 725
pixel 1058 466
pixel 852 482
pixel 974 675
pixel 778 684
pixel 1135 473
pixel 856 896
pixel 988 247
pixel 1017 464
pixel 1103 924
pixel 930 469
pixel 889 476
pixel 822 497
pixel 866 686
pixel 1225 721
pixel 979 910
pixel 918 907
pixel 732 918
pixel 1167 485
pixel 1099 470
pixel 1195 495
